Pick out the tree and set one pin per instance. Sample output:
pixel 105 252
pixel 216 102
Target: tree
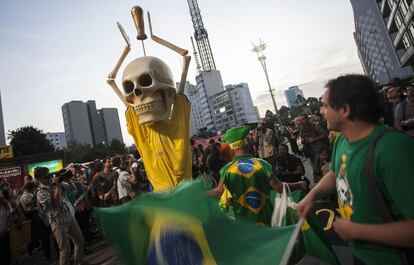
pixel 295 111
pixel 314 104
pixel 300 100
pixel 284 114
pixel 270 117
pixel 117 147
pixel 80 153
pixel 29 140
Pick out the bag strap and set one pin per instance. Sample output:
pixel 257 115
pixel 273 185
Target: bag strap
pixel 376 193
pixel 286 189
pixel 404 109
pixel 382 206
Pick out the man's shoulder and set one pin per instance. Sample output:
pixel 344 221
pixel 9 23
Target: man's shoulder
pixel 339 139
pixel 261 161
pixel 26 195
pixel 294 158
pixel 124 174
pixel 393 140
pixel 42 193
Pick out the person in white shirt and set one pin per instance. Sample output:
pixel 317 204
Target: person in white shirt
pixel 125 179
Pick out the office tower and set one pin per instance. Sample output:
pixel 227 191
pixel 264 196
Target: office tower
pixel 384 37
pixel 292 94
pixel 84 124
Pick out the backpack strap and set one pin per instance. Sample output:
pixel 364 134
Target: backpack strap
pixel 378 196
pixel 404 109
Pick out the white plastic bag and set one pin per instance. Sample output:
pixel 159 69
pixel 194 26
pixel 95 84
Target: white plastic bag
pixel 283 201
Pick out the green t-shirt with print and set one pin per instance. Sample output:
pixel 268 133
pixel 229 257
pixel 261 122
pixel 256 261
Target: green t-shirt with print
pixel 247 180
pixel 393 169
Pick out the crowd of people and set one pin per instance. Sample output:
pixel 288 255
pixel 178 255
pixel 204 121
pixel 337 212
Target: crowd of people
pixel 59 205
pixel 369 171
pixel 244 165
pixel 283 147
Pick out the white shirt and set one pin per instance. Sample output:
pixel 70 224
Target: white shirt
pixel 123 183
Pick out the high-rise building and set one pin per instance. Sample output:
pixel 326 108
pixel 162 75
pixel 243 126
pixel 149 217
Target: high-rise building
pixel 209 83
pixel 58 139
pixel 85 124
pixel 77 124
pixel 110 124
pixel 398 16
pixel 2 134
pixel 232 107
pixel 222 110
pixel 97 129
pixel 292 94
pixel 213 107
pixel 384 34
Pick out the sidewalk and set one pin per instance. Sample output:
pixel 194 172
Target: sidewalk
pixel 101 253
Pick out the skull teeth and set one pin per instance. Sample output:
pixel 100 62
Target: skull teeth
pixel 151 106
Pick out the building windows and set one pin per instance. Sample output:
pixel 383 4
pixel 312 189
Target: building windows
pixel 411 30
pixel 398 20
pixel 403 7
pixel 406 41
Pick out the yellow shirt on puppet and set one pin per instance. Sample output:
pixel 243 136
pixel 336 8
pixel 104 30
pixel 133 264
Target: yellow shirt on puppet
pixel 164 146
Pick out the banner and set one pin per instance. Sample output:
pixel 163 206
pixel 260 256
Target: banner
pixel 10 172
pixel 53 166
pixel 6 152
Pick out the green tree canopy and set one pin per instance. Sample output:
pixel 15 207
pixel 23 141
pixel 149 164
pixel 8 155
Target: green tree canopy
pixel 29 140
pixel 80 153
pixel 284 113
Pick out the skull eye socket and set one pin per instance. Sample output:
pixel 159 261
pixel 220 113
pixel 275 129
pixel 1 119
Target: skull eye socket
pixel 128 86
pixel 145 80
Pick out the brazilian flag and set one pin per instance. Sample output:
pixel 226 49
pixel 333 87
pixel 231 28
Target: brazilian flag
pixel 184 227
pixel 313 241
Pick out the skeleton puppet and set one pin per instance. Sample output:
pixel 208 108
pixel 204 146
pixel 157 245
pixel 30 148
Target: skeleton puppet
pixel 157 117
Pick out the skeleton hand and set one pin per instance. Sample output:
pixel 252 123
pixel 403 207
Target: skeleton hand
pixel 112 75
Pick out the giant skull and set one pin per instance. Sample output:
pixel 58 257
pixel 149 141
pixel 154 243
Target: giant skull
pixel 149 87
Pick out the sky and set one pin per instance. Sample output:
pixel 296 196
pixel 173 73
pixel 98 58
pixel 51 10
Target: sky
pixel 55 51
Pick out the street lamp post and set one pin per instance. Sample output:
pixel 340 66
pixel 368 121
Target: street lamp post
pixel 374 33
pixel 262 59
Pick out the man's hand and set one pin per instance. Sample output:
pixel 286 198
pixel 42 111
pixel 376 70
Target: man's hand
pixel 344 229
pixel 303 185
pixel 325 186
pixel 106 195
pixel 304 206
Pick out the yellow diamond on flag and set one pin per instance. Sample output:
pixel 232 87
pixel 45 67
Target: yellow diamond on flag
pixel 253 199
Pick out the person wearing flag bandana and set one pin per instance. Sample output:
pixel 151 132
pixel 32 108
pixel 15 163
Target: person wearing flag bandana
pixel 246 181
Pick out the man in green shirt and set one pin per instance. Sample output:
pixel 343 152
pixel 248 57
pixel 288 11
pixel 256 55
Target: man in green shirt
pixel 350 106
pixel 246 181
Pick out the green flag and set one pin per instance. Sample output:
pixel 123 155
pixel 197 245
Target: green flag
pixel 313 237
pixel 185 227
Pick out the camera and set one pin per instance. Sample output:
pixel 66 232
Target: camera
pixel 63 175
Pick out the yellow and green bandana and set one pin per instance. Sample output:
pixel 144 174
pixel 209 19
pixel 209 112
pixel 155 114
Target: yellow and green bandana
pixel 236 137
